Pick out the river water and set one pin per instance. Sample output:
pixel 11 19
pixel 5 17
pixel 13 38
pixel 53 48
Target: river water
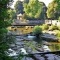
pixel 33 47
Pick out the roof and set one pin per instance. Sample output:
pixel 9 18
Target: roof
pixel 19 14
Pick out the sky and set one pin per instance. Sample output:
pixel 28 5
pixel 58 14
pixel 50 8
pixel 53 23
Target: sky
pixel 45 1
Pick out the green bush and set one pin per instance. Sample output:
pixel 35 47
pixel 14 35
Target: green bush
pixel 37 30
pixel 59 18
pixel 53 27
pixel 58 34
pixel 45 27
pixel 59 27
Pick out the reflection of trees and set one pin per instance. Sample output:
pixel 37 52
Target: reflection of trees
pixel 38 40
pixel 55 47
pixel 30 45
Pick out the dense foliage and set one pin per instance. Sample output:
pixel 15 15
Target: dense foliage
pixel 36 10
pixel 26 1
pixel 4 23
pixel 45 27
pixel 37 31
pixel 58 34
pixel 19 7
pixel 33 9
pixel 12 14
pixel 53 10
pixel 58 5
pixel 53 27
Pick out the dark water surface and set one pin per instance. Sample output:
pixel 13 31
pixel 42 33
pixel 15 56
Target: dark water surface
pixel 34 47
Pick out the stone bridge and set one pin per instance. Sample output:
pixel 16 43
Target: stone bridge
pixel 28 22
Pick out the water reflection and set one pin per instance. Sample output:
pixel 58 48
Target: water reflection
pixel 53 46
pixel 38 40
pixel 35 46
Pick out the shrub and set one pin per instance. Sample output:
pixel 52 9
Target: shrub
pixel 58 34
pixel 37 31
pixel 53 27
pixel 45 27
pixel 59 27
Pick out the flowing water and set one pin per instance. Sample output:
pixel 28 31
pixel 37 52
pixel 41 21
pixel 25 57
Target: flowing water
pixel 35 46
pixel 31 46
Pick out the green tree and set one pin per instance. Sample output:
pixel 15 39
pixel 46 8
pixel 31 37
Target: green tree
pixel 58 2
pixel 4 23
pixel 19 7
pixel 33 9
pixel 26 1
pixel 43 13
pixel 45 27
pixel 12 14
pixel 53 10
pixel 37 31
pixel 58 8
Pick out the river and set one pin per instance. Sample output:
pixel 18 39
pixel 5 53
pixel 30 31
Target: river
pixel 32 47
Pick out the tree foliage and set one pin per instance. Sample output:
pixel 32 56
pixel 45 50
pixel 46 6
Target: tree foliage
pixel 58 4
pixel 26 1
pixel 12 14
pixel 53 10
pixel 58 8
pixel 19 7
pixel 33 9
pixel 45 27
pixel 37 31
pixel 4 23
